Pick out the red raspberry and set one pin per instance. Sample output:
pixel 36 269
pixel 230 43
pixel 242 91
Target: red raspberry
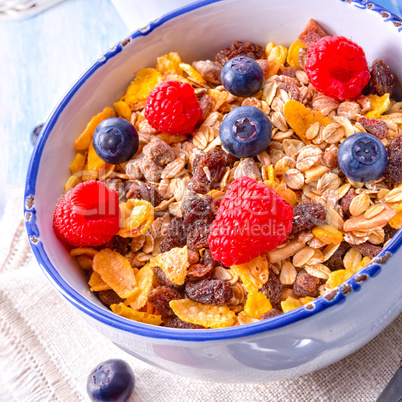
pixel 88 215
pixel 251 220
pixel 172 107
pixel 337 67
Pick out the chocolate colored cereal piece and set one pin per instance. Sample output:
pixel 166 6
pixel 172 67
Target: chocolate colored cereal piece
pixel 176 322
pixel 271 313
pixel 160 298
pixel 163 280
pixel 240 48
pixel 377 127
pixel 272 288
pixel 174 235
pixel 393 171
pixel 347 199
pixel 306 216
pixel 216 292
pixel 209 70
pixel 335 262
pixel 159 152
pixel 368 249
pixel 311 33
pixel 389 232
pixel 109 297
pixel 306 285
pixel 143 191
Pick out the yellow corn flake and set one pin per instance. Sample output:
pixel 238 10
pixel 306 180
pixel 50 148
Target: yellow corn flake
pixel 95 166
pixel 378 105
pixel 276 60
pixel 336 278
pixel 257 304
pixel 306 300
pixel 78 163
pixel 116 271
pixel 396 221
pixel 174 264
pixel 85 262
pixel 192 72
pixel 71 182
pixel 127 312
pixel 84 250
pixel 123 110
pixel 271 173
pixel 96 283
pixel 169 64
pixel 244 318
pixel 144 82
pixel 293 53
pixel 290 304
pixel 364 262
pixel 82 142
pixel 144 279
pixel 300 118
pixel 219 97
pixel 136 217
pixel 253 274
pixel 268 48
pixel 328 234
pixel 203 314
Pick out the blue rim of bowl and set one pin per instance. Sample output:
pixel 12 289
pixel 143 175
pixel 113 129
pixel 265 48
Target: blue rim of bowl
pixel 101 314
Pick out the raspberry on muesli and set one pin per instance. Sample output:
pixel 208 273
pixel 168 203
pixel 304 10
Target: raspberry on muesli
pixel 236 209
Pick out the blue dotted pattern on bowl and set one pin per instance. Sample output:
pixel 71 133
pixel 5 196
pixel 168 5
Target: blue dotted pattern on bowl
pixel 333 298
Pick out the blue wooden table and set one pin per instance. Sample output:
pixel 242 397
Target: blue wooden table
pixel 41 57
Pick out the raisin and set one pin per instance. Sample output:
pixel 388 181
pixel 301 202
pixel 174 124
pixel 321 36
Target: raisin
pixel 176 322
pixel 306 216
pixel 214 162
pixel 368 249
pixel 174 235
pixel 109 297
pixel 201 211
pixel 240 48
pixel 160 298
pixel 159 152
pixel 271 313
pixel 376 127
pixel 306 285
pixel 163 280
pixel 207 104
pixel 150 170
pixel 209 70
pixel 383 80
pixel 190 199
pixel 311 33
pixel 393 171
pixel 197 238
pixel 272 288
pixel 335 262
pixel 193 257
pixel 143 191
pixel 347 199
pixel 119 244
pixel 199 270
pixel 210 291
pixel 389 232
pixel 208 260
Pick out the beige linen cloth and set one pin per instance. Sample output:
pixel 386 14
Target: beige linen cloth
pixel 47 351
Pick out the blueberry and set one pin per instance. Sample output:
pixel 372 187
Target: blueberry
pixel 362 157
pixel 115 140
pixel 242 76
pixel 245 131
pixel 35 133
pixel 112 380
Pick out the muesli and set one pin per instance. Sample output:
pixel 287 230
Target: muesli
pixel 225 192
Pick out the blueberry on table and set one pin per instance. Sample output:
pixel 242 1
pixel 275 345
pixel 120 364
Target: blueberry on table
pixel 115 140
pixel 242 76
pixel 35 133
pixel 112 380
pixel 362 157
pixel 246 131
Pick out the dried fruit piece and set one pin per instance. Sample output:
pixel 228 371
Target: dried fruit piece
pixel 271 313
pixel 377 127
pixel 272 288
pixel 119 244
pixel 393 171
pixel 368 249
pixel 116 271
pixel 122 310
pixel 175 235
pixel 300 118
pixel 311 33
pixel 174 264
pixel 216 292
pixel 162 279
pixel 176 322
pixel 109 297
pixel 306 216
pixel 378 105
pixel 144 191
pixel 202 314
pixel 240 48
pixel 159 152
pixel 383 80
pixel 257 304
pixel 335 262
pixel 160 298
pixel 293 53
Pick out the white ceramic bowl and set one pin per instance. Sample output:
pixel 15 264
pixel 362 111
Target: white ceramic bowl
pixel 291 344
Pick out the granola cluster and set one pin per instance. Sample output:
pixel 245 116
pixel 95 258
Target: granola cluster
pixel 170 191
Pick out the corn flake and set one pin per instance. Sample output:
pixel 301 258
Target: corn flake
pixel 336 278
pixel 136 217
pixel 328 234
pixel 378 105
pixel 141 316
pixel 300 118
pixel 253 273
pixel 396 221
pixel 174 264
pixel 144 279
pixel 116 271
pixel 276 60
pixel 203 314
pixel 123 110
pixel 78 163
pixel 144 82
pixel 192 72
pixel 84 250
pixel 290 304
pixel 169 64
pixel 244 318
pixel 71 182
pixel 96 283
pixel 83 141
pixel 95 166
pixel 257 304
pixel 293 53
